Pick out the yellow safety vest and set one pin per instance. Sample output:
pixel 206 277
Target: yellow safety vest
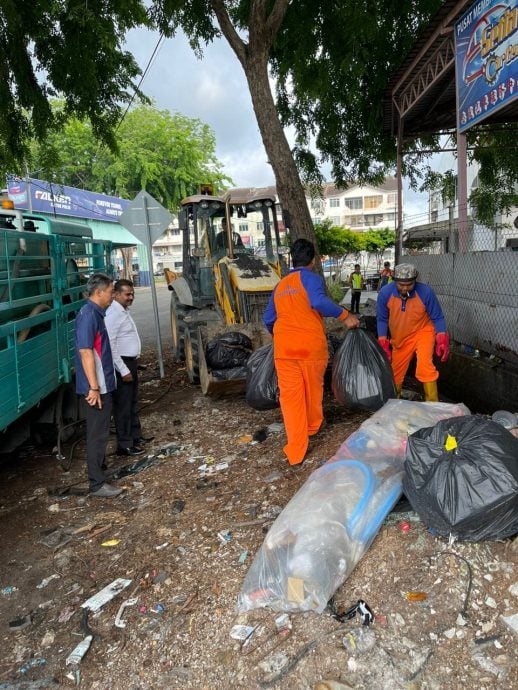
pixel 356 281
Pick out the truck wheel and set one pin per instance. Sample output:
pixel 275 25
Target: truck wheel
pixel 192 355
pixel 177 328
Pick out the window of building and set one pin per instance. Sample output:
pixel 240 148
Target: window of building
pixel 374 219
pixel 335 220
pixel 354 202
pixel 392 199
pixel 389 216
pixel 334 203
pixel 260 227
pixel 373 201
pixel 243 227
pixel 316 221
pixel 261 243
pixel 356 221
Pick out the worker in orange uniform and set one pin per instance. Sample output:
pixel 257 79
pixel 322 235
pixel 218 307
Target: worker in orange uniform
pixel 294 316
pixel 410 320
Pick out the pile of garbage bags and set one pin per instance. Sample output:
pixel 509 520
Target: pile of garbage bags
pixel 262 389
pixel 228 354
pixel 322 533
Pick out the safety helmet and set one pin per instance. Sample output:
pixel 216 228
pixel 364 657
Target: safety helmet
pixel 405 272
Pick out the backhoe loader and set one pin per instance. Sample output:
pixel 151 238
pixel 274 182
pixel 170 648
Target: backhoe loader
pixel 225 285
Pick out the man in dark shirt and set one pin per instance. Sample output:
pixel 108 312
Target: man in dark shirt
pixel 95 379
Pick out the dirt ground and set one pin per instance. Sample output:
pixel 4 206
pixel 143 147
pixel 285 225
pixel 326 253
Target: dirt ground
pixel 60 548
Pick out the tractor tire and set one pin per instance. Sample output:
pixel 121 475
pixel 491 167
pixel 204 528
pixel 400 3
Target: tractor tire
pixel 178 312
pixel 192 355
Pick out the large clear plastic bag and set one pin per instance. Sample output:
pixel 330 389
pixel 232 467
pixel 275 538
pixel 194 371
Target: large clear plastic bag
pixel 362 375
pixel 322 533
pixel 262 389
pixel 461 477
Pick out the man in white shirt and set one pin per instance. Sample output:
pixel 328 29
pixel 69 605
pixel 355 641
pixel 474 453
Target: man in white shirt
pixel 125 346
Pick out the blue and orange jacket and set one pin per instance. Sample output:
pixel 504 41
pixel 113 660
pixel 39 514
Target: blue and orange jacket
pixel 406 317
pixel 294 316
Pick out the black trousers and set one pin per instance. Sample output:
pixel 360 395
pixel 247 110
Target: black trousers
pixel 355 301
pixel 97 433
pixel 125 407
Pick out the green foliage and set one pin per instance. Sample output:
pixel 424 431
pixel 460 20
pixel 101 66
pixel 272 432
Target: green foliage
pixel 70 48
pixel 377 241
pixel 335 241
pixel 333 62
pixel 169 155
pixel 334 289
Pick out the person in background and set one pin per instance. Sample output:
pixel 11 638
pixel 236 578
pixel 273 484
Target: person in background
pixel 95 379
pixel 125 346
pixel 356 284
pixel 222 237
pixel 386 275
pixel 410 321
pixel 294 317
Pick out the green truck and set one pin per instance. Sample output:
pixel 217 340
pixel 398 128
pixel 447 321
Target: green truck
pixel 44 265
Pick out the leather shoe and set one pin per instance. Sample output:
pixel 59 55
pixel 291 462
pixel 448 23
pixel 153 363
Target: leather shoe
pixel 129 451
pixel 142 439
pixel 106 491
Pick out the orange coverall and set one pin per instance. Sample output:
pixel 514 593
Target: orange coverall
pixel 413 324
pixel 294 316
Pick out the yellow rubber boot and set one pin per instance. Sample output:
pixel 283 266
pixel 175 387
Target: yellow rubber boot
pixel 431 394
pixel 399 387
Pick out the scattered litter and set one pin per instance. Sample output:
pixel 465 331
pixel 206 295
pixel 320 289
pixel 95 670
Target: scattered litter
pixel 6 591
pixel 157 608
pixel 242 632
pixel 283 622
pixel 404 526
pixel 272 477
pixel 77 654
pixel 170 449
pixel 177 506
pixel 162 546
pixel 204 483
pixel 275 427
pixel 41 684
pixel 47 580
pixel 513 589
pixel 119 623
pixel 160 577
pixel 242 557
pixel 48 639
pixel 20 623
pixel 32 663
pixel 511 622
pixel 260 435
pixel 111 542
pixel 416 596
pixel 53 508
pixel 491 603
pixel 247 438
pixel 221 466
pixel 97 601
pixel 66 614
pixel 359 640
pixel 55 538
pixel 274 664
pixel 488 665
pixel 135 467
pixel 225 536
pixel 142 608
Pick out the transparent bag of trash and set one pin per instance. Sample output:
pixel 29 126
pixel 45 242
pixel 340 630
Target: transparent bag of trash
pixel 319 537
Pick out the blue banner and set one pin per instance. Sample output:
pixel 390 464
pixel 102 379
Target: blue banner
pixel 486 60
pixel 38 196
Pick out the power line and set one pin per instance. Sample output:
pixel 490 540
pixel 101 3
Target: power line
pixel 144 75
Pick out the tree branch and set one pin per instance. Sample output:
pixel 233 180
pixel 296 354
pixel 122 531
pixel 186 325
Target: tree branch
pixel 236 42
pixel 275 19
pixel 263 27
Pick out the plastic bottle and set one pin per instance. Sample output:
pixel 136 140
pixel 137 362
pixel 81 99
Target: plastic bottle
pixel 78 653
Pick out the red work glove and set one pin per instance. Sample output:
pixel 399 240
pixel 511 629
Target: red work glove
pixel 386 348
pixel 442 346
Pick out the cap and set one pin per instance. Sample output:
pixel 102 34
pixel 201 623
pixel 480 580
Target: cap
pixel 405 272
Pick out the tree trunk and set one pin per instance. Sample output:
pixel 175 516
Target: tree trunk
pixel 127 255
pixel 289 186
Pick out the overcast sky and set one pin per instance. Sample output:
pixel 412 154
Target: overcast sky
pixel 214 90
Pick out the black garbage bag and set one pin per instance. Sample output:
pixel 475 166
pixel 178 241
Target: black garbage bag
pixel 333 345
pixel 471 490
pixel 362 375
pixel 229 374
pixel 262 390
pixel 228 350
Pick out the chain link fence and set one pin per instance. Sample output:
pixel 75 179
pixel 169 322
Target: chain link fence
pixel 477 287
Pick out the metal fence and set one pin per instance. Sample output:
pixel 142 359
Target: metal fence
pixel 478 289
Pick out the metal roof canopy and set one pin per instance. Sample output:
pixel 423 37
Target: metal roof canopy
pixel 421 96
pixel 421 99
